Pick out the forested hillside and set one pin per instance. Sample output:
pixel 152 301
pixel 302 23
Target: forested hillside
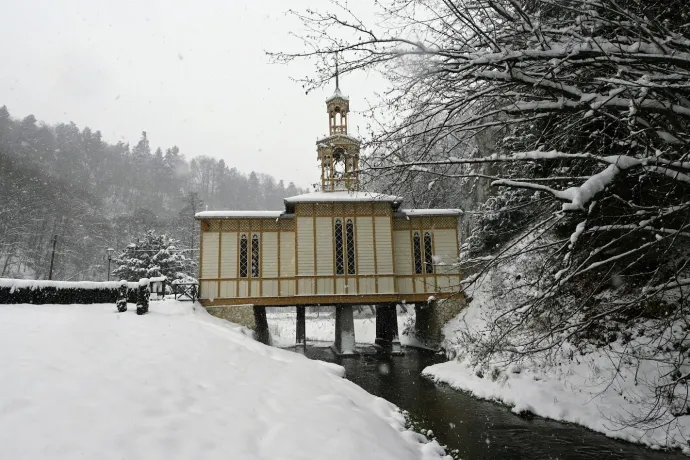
pixel 67 181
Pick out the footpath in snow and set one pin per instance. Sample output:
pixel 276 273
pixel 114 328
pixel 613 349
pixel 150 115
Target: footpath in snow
pixel 82 381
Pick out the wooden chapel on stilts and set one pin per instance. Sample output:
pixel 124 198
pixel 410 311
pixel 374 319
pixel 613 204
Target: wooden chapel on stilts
pixel 340 246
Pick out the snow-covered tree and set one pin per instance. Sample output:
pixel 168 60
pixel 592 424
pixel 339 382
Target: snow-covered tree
pixel 588 103
pixel 153 255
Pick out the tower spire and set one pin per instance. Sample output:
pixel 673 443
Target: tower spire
pixel 338 153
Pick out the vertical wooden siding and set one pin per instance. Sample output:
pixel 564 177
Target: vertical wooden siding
pixel 446 250
pixel 384 246
pixel 324 246
pixel 305 246
pixel 365 245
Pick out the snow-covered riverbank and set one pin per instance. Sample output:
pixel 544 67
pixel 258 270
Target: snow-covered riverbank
pixel 600 389
pixel 83 381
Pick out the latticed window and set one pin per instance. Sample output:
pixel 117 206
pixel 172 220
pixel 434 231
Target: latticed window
pixel 417 252
pixel 339 262
pixel 255 256
pixel 350 231
pixel 244 254
pixel 428 253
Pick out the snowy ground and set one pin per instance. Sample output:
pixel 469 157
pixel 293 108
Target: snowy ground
pixel 81 381
pixel 321 328
pixel 583 389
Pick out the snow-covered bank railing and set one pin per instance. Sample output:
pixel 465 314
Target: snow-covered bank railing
pixel 62 292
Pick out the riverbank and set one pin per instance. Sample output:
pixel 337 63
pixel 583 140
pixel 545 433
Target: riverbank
pixel 581 391
pixel 472 428
pixel 83 381
pixel 597 388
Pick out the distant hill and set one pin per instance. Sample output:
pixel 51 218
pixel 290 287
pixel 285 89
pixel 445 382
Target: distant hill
pixel 66 181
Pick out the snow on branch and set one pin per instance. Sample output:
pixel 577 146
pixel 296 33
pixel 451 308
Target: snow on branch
pixel 576 197
pixel 679 282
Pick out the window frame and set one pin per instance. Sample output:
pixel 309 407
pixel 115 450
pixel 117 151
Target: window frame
pixel 417 256
pixel 249 255
pixel 339 246
pixel 351 250
pixel 345 246
pixel 428 252
pixel 243 255
pixel 255 257
pixel 423 252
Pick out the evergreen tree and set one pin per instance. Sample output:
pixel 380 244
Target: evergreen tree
pixel 154 255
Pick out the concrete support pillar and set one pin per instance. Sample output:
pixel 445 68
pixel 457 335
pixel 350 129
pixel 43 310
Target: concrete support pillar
pixel 344 331
pixel 261 332
pixel 396 348
pixel 301 332
pixel 387 329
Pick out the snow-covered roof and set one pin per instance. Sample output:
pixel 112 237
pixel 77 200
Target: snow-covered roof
pixel 342 196
pixel 245 214
pixel 337 95
pixel 426 212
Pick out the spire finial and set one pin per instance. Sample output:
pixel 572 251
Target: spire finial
pixel 337 83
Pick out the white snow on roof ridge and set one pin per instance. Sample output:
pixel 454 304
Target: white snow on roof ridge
pixel 343 195
pixel 430 212
pixel 254 214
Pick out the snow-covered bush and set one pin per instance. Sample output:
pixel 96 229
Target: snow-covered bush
pixel 37 292
pixel 154 255
pixel 143 295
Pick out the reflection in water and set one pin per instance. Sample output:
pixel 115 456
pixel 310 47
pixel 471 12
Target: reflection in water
pixel 479 430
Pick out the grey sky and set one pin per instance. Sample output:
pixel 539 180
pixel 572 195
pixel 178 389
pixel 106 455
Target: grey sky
pixel 190 73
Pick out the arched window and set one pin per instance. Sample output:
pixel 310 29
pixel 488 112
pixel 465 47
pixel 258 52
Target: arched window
pixel 428 253
pixel 255 256
pixel 243 256
pixel 417 252
pixel 350 231
pixel 339 263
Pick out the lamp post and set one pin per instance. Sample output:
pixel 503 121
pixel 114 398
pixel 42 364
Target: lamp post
pixel 110 255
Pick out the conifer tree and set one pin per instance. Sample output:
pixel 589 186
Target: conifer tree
pixel 154 255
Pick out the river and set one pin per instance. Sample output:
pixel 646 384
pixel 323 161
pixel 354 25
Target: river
pixel 474 429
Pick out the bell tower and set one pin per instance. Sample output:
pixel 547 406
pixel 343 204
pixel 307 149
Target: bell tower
pixel 338 153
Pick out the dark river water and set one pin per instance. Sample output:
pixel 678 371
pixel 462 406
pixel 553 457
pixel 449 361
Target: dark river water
pixel 479 430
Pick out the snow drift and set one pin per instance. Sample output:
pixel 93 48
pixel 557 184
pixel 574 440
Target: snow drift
pixel 84 381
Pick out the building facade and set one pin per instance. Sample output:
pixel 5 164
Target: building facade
pixel 341 245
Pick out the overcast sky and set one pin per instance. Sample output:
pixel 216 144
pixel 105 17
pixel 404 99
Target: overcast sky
pixel 189 73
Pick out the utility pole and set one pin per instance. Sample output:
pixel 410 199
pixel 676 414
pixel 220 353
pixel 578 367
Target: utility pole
pixel 52 258
pixel 110 254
